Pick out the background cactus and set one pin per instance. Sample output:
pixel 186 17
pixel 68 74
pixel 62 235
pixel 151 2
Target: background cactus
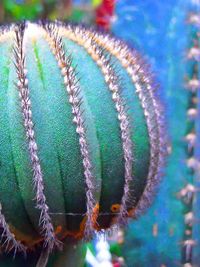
pixel 82 136
pixel 171 236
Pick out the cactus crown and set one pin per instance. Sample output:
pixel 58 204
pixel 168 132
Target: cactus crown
pixel 82 133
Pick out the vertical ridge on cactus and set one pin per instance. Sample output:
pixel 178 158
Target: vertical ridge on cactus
pixel 8 240
pixel 141 77
pixel 22 85
pixel 82 133
pixel 73 90
pixel 111 79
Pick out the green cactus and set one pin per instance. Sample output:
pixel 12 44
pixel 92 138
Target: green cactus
pixel 82 136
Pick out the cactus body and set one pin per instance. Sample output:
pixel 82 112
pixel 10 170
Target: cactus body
pixel 82 140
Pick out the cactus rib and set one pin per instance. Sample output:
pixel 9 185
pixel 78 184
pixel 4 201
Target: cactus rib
pixel 96 52
pixel 155 121
pixel 45 222
pixel 73 89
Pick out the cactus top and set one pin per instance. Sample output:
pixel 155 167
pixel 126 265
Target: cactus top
pixel 82 137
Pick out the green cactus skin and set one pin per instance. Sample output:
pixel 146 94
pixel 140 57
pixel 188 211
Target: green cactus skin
pixel 82 134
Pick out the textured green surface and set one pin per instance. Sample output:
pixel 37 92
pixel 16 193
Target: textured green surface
pixel 57 138
pixel 112 151
pixel 102 108
pixel 12 148
pixel 63 156
pixel 139 132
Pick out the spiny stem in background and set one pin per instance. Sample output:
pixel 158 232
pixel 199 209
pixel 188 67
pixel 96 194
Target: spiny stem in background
pixel 192 162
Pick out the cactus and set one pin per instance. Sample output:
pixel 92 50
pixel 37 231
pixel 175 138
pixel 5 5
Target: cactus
pixel 190 252
pixel 82 135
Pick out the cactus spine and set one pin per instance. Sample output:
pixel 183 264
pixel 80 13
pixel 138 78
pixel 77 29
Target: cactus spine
pixel 189 192
pixel 82 134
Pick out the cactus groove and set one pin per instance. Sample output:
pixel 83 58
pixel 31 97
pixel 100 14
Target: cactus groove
pixel 82 134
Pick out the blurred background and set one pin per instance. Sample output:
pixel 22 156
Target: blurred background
pixel 86 11
pixel 167 34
